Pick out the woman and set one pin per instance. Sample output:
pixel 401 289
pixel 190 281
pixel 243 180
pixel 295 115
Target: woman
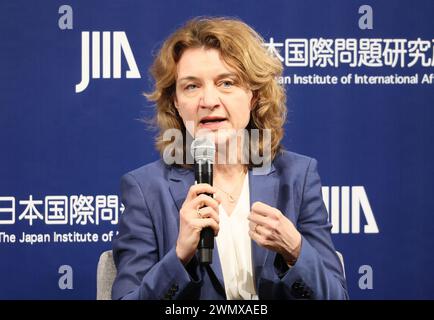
pixel 272 234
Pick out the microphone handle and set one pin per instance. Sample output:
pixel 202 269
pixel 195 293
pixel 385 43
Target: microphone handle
pixel 204 174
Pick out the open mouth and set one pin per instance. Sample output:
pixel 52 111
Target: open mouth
pixel 212 120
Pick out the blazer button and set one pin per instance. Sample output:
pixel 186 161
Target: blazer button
pixel 307 293
pixel 296 286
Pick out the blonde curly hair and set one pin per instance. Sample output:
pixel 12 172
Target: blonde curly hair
pixel 241 48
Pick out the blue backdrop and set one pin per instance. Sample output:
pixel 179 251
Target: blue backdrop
pixel 63 152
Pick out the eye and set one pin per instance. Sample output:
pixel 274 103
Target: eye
pixel 227 84
pixel 190 87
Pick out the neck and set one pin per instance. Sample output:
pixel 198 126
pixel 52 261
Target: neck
pixel 226 165
pixel 228 170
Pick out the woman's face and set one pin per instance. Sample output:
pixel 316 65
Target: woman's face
pixel 209 94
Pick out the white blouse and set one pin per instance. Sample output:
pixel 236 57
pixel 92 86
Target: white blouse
pixel 234 248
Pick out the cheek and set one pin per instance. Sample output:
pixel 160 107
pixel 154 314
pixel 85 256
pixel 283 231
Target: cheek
pixel 186 112
pixel 188 116
pixel 241 112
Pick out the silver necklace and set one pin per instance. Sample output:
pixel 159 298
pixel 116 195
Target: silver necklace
pixel 231 198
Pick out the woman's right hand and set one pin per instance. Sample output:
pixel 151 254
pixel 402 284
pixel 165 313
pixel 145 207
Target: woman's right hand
pixel 192 221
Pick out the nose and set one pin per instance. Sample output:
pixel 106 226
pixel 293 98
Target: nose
pixel 210 98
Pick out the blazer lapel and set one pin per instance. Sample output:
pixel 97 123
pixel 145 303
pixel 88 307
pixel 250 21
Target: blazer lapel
pixel 180 180
pixel 217 269
pixel 263 188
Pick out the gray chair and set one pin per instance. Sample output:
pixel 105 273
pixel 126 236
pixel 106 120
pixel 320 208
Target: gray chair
pixel 105 275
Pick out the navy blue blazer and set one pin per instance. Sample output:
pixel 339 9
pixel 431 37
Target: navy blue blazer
pixel 144 249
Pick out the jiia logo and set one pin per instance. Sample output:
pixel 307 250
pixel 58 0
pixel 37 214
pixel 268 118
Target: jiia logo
pixel 104 50
pixel 346 205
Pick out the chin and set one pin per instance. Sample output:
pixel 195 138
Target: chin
pixel 221 139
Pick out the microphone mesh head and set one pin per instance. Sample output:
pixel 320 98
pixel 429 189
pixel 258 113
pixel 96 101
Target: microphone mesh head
pixel 203 149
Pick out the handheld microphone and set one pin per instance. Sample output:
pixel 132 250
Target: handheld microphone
pixel 203 151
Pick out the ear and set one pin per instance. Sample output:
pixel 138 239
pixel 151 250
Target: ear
pixel 175 102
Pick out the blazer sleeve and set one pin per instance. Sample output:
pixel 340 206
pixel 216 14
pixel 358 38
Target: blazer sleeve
pixel 318 272
pixel 141 272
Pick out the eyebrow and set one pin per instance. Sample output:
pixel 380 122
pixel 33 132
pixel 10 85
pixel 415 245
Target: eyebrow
pixel 220 76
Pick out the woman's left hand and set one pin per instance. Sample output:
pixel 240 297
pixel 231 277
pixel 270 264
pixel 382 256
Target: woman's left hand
pixel 269 228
